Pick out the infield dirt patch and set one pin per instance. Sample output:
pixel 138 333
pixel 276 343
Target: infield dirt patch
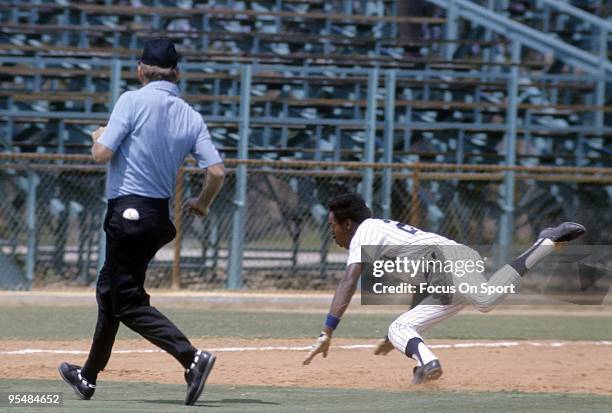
pixel 528 366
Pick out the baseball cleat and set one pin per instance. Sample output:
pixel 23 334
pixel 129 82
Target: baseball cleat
pixel 429 372
pixel 71 374
pixel 565 232
pixel 197 374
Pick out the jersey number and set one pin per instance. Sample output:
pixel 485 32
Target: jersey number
pixel 403 227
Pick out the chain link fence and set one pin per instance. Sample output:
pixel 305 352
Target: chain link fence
pixel 52 207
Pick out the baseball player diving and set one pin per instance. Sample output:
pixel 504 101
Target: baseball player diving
pixel 352 227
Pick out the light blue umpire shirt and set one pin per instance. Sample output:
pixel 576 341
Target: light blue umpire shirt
pixel 151 131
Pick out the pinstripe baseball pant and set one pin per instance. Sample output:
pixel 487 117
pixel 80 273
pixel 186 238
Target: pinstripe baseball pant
pixel 431 311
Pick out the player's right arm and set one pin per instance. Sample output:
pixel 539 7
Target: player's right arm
pixel 344 293
pixel 342 298
pixel 345 289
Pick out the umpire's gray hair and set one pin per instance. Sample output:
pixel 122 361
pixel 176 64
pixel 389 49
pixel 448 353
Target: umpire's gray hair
pixel 151 73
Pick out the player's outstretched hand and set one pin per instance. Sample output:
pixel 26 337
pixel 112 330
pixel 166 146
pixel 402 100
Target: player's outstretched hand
pixel 320 346
pixel 192 206
pixel 383 347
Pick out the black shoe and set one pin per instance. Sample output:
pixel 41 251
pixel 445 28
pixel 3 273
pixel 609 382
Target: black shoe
pixel 197 374
pixel 429 372
pixel 72 375
pixel 565 232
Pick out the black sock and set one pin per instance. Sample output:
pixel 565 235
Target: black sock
pixel 532 256
pixel 412 348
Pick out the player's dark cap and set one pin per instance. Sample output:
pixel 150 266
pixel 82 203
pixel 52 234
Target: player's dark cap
pixel 160 52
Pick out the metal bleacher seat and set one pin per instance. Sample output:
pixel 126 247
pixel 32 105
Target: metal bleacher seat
pixel 299 33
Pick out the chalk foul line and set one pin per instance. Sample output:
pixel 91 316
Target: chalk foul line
pixel 497 344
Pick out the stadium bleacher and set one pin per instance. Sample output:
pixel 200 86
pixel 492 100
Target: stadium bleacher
pixel 307 33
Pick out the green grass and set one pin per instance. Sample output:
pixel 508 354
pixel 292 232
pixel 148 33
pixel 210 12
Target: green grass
pixel 152 397
pixel 67 323
pixel 37 323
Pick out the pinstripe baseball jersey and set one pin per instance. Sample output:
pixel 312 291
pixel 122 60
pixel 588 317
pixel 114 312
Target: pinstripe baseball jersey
pixel 393 239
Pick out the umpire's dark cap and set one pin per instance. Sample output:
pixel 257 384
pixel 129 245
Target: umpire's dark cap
pixel 160 52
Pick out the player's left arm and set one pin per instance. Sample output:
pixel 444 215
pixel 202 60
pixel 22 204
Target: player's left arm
pixel 342 298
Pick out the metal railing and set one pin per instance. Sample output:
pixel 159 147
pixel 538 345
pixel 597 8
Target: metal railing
pixel 520 33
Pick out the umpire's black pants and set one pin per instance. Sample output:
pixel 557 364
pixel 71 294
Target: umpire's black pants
pixel 130 246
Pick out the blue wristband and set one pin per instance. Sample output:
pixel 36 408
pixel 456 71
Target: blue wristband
pixel 332 321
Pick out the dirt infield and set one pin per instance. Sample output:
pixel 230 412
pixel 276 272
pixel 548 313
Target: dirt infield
pixel 527 366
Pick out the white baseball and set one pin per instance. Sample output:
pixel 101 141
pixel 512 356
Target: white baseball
pixel 131 214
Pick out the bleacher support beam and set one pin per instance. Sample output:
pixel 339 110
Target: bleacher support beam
pixel 370 139
pixel 234 280
pixel 389 131
pixel 506 230
pixel 33 181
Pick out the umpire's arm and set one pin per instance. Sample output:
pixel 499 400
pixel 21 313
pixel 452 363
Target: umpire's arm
pixel 100 153
pixel 208 158
pixel 213 181
pixel 106 139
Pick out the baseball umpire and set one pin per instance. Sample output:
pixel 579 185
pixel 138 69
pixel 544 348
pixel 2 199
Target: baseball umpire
pixel 352 227
pixel 148 136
